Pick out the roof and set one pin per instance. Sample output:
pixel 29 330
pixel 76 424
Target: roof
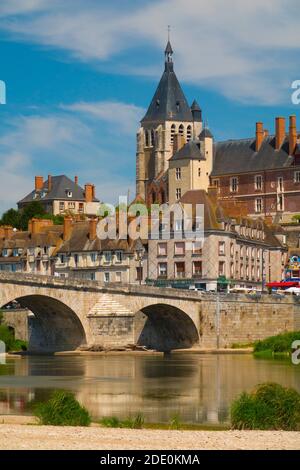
pixel 205 133
pixel 168 102
pixel 169 49
pixel 190 151
pixel 210 208
pixel 195 106
pixel 239 156
pixel 59 185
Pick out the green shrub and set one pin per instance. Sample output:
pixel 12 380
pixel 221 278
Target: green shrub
pixel 111 422
pixel 277 344
pixel 175 422
pixel 62 409
pixel 269 406
pixel 11 343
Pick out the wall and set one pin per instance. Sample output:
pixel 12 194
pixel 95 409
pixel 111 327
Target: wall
pixel 18 320
pixel 244 320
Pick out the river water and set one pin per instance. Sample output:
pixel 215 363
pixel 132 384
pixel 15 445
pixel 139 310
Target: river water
pixel 197 388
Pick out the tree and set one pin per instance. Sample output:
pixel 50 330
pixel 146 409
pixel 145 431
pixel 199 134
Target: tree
pixel 31 210
pixel 11 217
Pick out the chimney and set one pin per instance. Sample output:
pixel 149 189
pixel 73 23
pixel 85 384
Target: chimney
pixel 292 135
pixel 93 229
pixel 76 179
pixel 266 132
pixel 37 225
pixel 93 191
pixel 8 231
pixel 88 189
pixel 178 142
pixel 49 183
pixel 39 183
pixel 280 132
pixel 259 135
pixel 67 228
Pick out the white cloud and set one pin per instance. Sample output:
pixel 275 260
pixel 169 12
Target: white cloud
pixel 233 46
pixel 124 117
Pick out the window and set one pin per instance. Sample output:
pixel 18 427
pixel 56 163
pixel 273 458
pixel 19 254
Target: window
pixel 76 259
pixel 180 269
pixel 280 202
pixel 178 173
pixel 253 253
pixel 297 177
pixel 221 268
pixel 119 256
pixel 188 133
pixel 61 206
pixel 93 257
pixel 152 139
pixel 173 130
pixel 62 259
pixel 118 276
pixel 162 249
pixel 233 184
pixel 197 268
pixel 179 223
pixel 139 273
pixel 280 183
pixel 93 276
pixel 15 252
pixel 199 172
pixel 106 277
pixel 231 249
pixel 81 208
pixel 178 193
pixel 221 248
pixel 107 256
pixel 146 138
pixel 258 205
pixel 258 182
pixel 179 249
pixel 71 205
pixel 5 252
pixel 215 183
pixel 69 193
pixel 162 269
pixel 232 270
pixel 181 129
pixel 196 248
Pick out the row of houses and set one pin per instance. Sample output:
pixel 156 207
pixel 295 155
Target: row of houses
pixel 236 251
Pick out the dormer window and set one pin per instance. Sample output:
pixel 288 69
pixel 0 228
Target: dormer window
pixel 69 193
pixel 177 105
pixel 157 103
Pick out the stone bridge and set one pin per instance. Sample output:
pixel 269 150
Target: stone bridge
pixel 71 313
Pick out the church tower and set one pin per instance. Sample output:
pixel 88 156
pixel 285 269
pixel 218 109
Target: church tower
pixel 169 119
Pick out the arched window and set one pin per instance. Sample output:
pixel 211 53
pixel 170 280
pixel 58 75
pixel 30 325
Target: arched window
pixel 181 129
pixel 146 138
pixel 189 133
pixel 173 130
pixel 152 138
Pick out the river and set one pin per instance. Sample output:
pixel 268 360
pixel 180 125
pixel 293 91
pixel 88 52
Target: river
pixel 198 388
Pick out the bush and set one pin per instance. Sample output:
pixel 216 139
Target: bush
pixel 62 409
pixel 135 422
pixel 277 344
pixel 269 406
pixel 11 344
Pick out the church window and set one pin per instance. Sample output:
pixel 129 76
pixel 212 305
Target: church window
pixel 173 130
pixel 181 129
pixel 146 138
pixel 178 193
pixel 189 133
pixel 152 138
pixel 178 173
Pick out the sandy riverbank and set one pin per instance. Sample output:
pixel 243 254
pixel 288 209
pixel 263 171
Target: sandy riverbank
pixel 25 437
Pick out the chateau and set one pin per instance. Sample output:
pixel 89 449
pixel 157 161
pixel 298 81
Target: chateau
pixel 176 154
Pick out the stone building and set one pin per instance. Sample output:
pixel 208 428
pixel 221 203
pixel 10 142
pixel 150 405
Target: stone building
pixel 169 114
pixel 72 250
pixel 176 154
pixel 61 195
pixel 236 251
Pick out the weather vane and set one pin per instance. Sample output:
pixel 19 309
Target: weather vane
pixel 169 29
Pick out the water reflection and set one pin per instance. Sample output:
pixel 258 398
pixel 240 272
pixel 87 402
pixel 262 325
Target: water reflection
pixel 198 388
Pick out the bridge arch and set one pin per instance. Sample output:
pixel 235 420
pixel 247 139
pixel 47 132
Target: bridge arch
pixel 54 327
pixel 164 327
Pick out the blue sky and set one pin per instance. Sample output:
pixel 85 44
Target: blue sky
pixel 80 74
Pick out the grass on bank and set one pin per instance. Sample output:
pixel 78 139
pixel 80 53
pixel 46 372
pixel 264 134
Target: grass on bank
pixel 62 409
pixel 276 346
pixel 268 407
pixel 11 344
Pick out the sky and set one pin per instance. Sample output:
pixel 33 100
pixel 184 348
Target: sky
pixel 80 74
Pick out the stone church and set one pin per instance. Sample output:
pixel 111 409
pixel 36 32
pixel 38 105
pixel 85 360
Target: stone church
pixel 176 154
